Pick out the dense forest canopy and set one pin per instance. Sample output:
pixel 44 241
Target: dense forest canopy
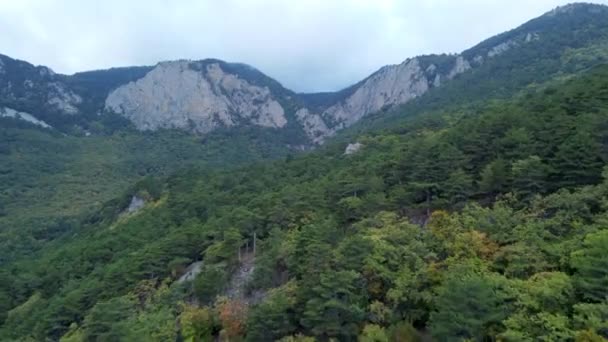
pixel 512 248
pixel 476 212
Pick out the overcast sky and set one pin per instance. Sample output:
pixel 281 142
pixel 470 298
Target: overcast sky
pixel 308 45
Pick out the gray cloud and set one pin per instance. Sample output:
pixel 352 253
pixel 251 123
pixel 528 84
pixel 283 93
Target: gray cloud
pixel 308 45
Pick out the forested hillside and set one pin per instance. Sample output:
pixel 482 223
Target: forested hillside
pixel 474 222
pixel 48 180
pixel 558 44
pixel 46 174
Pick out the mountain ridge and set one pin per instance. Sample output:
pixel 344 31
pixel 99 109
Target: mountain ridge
pixel 258 99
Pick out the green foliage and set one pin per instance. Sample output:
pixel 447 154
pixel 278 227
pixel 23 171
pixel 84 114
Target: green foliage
pixel 210 282
pixel 483 221
pixel 107 320
pixel 494 177
pixel 273 319
pixel 529 177
pixel 468 307
pixel 197 324
pixel 591 265
pixel 591 318
pixel 567 43
pixel 540 313
pixel 404 331
pixel 459 186
pixel 577 161
pixel 335 307
pixel 373 333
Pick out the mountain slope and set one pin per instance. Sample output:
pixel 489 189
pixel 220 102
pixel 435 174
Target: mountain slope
pixel 202 96
pixel 46 175
pixel 197 96
pixel 67 240
pixel 559 44
pixel 335 235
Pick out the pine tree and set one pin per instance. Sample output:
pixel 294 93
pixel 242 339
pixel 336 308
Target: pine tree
pixel 529 177
pixel 591 265
pixel 577 161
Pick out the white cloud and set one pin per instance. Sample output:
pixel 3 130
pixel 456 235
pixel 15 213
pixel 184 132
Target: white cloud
pixel 306 44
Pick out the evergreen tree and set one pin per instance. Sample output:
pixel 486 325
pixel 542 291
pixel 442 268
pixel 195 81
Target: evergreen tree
pixel 494 177
pixel 529 177
pixel 591 265
pixel 335 309
pixel 467 307
pixel 577 161
pixel 458 187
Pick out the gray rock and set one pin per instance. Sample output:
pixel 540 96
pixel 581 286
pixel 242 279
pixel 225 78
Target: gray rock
pixel 501 48
pixel 392 85
pixel 353 148
pixel 136 204
pixel 313 125
pixel 461 65
pixel 174 95
pixel 191 272
pixel 530 37
pixel 63 99
pixel 11 113
pixel 437 81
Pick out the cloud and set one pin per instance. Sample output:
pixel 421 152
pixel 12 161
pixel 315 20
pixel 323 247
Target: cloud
pixel 308 45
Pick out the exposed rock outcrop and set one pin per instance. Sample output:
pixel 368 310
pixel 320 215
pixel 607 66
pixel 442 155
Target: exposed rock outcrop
pixel 461 65
pixel 202 96
pixel 530 37
pixel 61 98
pixel 191 272
pixel 196 96
pixel 392 85
pixel 11 113
pixel 353 148
pixel 313 125
pixel 136 204
pixel 501 48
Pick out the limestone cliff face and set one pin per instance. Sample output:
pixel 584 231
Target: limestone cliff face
pixel 313 125
pixel 196 96
pixel 202 96
pixel 63 99
pixel 391 85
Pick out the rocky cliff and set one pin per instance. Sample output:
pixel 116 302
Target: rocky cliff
pixel 203 96
pixel 198 96
pixel 391 85
pixel 24 85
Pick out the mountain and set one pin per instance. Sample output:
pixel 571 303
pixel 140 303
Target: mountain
pixel 514 247
pixel 115 184
pixel 559 44
pixel 202 96
pixel 59 131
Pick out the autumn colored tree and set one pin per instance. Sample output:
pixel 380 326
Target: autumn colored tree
pixel 232 314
